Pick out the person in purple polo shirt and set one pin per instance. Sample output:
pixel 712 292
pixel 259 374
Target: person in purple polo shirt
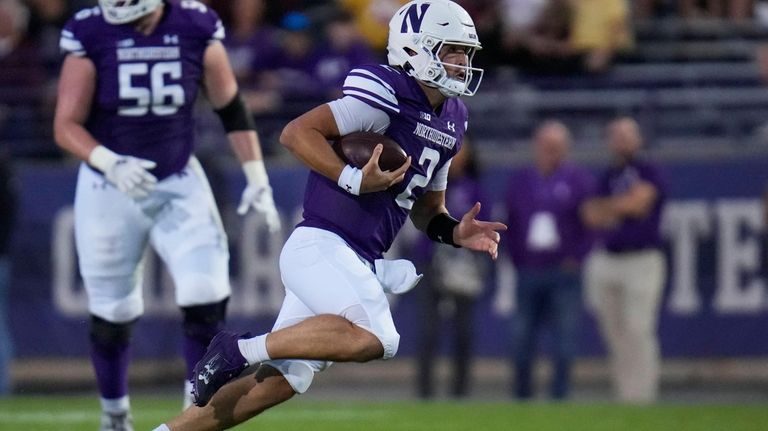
pixel 548 241
pixel 626 273
pixel 126 97
pixel 335 308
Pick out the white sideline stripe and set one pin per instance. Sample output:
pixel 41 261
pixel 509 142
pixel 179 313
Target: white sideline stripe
pixel 69 416
pixel 78 416
pixel 337 415
pixel 45 417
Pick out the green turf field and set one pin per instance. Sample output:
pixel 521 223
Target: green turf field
pixel 81 414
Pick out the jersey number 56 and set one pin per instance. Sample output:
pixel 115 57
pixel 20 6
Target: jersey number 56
pixel 162 98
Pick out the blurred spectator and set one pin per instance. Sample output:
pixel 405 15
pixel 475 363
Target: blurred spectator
pixel 761 60
pixel 372 18
pixel 649 9
pixel 548 240
pixel 343 50
pixel 600 29
pixel 285 71
pixel 522 20
pixel 626 274
pixel 765 205
pixel 22 79
pixel 46 20
pixel 7 216
pixel 521 16
pixel 736 10
pixel 14 17
pixel 455 280
pixel 248 36
pixel 489 22
pixel 536 36
pixel 19 57
pixel 299 67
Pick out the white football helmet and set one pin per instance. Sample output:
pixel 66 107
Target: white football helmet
pixel 125 11
pixel 417 32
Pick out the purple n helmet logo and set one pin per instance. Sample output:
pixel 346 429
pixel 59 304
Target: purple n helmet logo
pixel 412 16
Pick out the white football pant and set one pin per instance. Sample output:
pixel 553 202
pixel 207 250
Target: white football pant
pixel 180 221
pixel 323 275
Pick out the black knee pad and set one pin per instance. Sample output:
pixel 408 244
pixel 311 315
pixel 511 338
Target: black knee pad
pixel 110 334
pixel 202 322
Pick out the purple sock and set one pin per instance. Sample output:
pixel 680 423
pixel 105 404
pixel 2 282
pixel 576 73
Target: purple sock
pixel 110 362
pixel 201 323
pixel 193 348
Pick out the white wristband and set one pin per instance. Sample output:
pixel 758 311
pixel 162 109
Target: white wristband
pixel 351 179
pixel 102 158
pixel 255 172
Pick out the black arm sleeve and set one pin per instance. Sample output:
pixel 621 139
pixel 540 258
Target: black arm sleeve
pixel 235 116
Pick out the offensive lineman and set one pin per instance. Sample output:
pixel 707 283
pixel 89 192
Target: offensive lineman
pixel 125 101
pixel 335 307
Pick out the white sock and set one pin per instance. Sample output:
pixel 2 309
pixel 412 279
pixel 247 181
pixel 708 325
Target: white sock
pixel 162 427
pixel 187 400
pixel 116 405
pixel 254 349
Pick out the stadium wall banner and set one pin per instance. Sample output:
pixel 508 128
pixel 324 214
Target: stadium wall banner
pixel 715 300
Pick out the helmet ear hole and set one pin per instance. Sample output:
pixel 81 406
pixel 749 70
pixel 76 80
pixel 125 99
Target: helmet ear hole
pixel 409 51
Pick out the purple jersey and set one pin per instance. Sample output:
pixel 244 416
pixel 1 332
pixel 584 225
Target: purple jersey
pixel 147 85
pixel 553 200
pixel 634 233
pixel 369 222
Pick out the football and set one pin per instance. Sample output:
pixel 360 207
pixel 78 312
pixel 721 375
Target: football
pixel 356 149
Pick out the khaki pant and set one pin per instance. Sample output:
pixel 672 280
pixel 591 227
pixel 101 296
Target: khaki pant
pixel 624 290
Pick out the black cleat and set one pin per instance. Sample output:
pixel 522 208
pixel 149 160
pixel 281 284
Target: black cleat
pixel 220 364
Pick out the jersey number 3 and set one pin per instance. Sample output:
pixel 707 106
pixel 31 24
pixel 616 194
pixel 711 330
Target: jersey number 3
pixel 162 98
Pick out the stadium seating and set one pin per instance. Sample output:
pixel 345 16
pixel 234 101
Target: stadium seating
pixel 691 84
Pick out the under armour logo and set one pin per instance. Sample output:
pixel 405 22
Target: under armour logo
pixel 349 188
pixel 451 126
pixel 171 39
pixel 208 372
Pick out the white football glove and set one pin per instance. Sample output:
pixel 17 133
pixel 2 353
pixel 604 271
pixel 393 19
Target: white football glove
pixel 129 174
pixel 258 194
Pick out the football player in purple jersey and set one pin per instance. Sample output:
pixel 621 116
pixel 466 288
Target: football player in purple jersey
pixel 335 278
pixel 126 96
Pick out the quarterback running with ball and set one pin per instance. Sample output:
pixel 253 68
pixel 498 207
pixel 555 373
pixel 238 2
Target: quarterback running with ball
pixel 335 308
